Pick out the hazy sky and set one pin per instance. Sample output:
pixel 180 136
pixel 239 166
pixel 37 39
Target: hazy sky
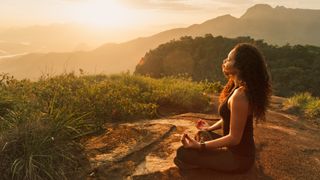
pixel 148 16
pixel 128 13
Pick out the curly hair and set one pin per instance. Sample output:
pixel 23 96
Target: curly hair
pixel 254 76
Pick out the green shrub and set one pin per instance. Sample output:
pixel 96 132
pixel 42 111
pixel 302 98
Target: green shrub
pixel 41 122
pixel 312 108
pixel 39 145
pixel 303 104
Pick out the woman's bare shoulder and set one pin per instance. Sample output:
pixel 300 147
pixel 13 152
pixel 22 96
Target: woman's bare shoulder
pixel 238 98
pixel 240 95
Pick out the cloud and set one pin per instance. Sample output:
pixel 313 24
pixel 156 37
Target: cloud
pixel 235 1
pixel 176 5
pixel 76 1
pixel 231 3
pixel 188 5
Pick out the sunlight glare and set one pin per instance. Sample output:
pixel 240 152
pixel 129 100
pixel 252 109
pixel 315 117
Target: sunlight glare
pixel 100 13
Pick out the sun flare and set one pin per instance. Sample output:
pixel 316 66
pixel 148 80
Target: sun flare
pixel 102 13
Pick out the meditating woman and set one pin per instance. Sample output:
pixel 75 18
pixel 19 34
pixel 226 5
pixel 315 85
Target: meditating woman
pixel 244 97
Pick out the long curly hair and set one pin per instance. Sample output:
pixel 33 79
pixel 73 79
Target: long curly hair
pixel 254 76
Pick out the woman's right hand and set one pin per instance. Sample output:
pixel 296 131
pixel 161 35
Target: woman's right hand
pixel 202 125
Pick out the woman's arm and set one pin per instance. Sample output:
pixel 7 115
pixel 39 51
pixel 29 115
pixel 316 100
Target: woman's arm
pixel 239 107
pixel 215 126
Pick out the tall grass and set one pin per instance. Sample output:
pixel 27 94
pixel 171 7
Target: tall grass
pixel 41 122
pixel 41 147
pixel 303 104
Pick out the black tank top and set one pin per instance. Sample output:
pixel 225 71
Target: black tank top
pixel 246 147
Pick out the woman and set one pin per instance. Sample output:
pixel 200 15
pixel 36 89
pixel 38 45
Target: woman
pixel 244 97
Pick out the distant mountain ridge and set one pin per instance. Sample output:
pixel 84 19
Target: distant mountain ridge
pixel 44 38
pixel 277 25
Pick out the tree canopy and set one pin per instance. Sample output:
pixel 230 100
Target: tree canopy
pixel 293 69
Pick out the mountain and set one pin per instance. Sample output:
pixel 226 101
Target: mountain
pixel 44 38
pixel 282 25
pixel 277 25
pixel 58 37
pixel 201 59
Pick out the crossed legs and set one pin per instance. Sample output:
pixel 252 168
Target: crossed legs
pixel 218 159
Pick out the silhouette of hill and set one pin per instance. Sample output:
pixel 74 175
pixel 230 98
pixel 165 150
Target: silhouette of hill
pixel 201 59
pixel 277 25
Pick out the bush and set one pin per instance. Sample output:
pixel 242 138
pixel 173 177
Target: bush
pixel 39 145
pixel 303 104
pixel 312 109
pixel 41 122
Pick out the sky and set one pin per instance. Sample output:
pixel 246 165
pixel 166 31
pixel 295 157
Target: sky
pixel 126 13
pixel 147 15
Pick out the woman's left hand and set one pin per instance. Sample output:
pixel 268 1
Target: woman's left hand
pixel 188 142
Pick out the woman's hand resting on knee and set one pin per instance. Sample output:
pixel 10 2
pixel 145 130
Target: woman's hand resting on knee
pixel 202 126
pixel 188 142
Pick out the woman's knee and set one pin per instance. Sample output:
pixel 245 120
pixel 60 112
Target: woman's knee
pixel 182 153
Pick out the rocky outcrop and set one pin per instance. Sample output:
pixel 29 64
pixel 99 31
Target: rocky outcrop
pixel 287 147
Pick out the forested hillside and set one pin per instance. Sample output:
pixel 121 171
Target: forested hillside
pixel 293 68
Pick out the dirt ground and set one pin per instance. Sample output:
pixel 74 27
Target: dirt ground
pixel 287 147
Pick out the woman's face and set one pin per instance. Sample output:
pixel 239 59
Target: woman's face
pixel 228 67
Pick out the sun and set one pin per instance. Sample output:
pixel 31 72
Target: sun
pixel 101 13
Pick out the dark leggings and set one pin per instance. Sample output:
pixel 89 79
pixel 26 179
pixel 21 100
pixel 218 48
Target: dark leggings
pixel 220 159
